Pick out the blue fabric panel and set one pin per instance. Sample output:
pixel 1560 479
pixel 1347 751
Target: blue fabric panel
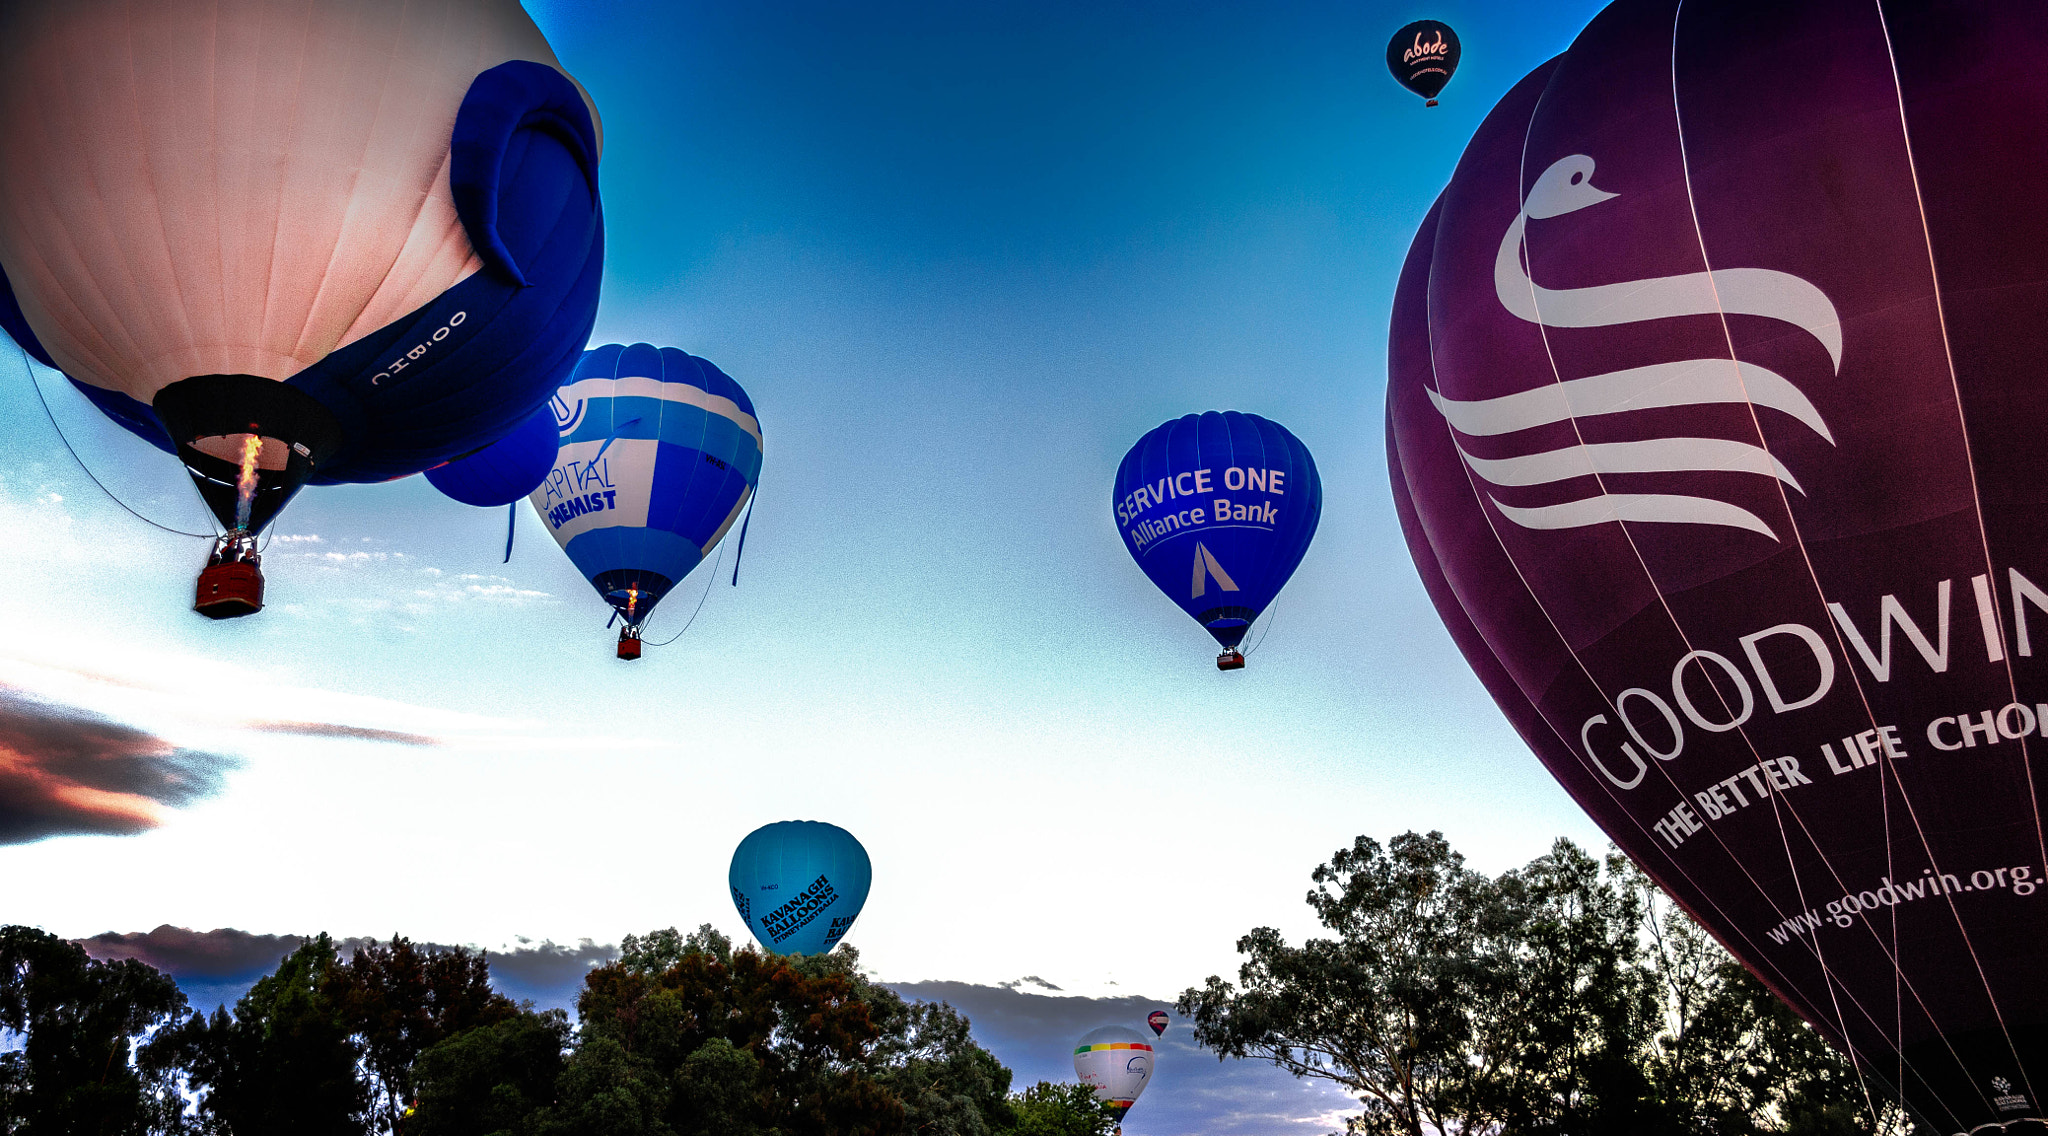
pixel 607 549
pixel 134 417
pixel 504 471
pixel 502 114
pixel 692 496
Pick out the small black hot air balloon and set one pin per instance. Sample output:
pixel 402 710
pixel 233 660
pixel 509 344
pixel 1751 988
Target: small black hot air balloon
pixel 1423 56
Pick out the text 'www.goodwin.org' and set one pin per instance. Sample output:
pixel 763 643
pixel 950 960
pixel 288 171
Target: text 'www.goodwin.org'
pixel 1843 912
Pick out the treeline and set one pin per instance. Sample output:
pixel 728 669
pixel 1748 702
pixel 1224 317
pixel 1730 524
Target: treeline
pixel 681 1036
pixel 1568 997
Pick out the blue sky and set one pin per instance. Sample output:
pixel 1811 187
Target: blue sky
pixel 961 257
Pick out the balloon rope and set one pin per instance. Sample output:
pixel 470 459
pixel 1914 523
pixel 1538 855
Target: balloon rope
pixel 743 534
pixel 511 523
pixel 713 579
pixel 81 461
pixel 1267 630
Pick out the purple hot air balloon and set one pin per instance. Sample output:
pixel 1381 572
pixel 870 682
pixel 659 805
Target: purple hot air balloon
pixel 1158 1020
pixel 1715 419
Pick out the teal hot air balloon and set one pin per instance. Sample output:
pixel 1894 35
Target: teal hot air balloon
pixel 799 885
pixel 658 452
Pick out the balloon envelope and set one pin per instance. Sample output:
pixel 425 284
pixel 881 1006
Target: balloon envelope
pixel 1232 495
pixel 1713 421
pixel 799 884
pixel 1116 1063
pixel 659 451
pixel 1423 56
pixel 1158 1021
pixel 386 240
pixel 506 470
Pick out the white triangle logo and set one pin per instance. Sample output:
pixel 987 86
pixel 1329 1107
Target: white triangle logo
pixel 1205 567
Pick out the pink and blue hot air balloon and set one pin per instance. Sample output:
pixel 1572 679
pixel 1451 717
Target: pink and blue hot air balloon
pixel 658 453
pixel 295 241
pixel 1218 509
pixel 1714 418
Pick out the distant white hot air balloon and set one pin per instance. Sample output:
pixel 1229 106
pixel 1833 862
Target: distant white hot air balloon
pixel 1116 1063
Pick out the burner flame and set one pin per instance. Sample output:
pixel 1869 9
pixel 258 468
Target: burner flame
pixel 245 485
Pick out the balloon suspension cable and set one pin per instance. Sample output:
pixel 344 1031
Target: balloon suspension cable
pixel 1266 630
pixel 28 366
pixel 715 565
pixel 742 550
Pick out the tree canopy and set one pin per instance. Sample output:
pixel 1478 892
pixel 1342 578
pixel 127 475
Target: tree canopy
pixel 682 1036
pixel 1568 996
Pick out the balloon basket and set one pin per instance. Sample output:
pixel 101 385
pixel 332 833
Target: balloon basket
pixel 1429 102
pixel 230 589
pixel 629 645
pixel 1231 659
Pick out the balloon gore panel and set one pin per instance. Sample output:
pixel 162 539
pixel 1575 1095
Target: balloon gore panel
pixel 1713 414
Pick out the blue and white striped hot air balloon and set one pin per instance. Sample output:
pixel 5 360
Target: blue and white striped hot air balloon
pixel 659 452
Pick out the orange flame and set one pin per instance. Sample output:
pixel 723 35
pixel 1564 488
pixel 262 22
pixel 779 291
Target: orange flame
pixel 245 486
pixel 632 600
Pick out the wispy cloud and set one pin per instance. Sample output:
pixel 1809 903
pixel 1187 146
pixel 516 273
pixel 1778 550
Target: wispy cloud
pixel 337 730
pixel 65 769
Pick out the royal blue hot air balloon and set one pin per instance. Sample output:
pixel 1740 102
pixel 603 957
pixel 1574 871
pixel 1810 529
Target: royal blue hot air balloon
pixel 506 470
pixel 659 451
pixel 1218 509
pixel 294 241
pixel 799 885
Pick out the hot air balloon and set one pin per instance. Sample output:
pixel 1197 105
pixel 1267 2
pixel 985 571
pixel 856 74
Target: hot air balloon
pixel 799 885
pixel 659 452
pixel 294 241
pixel 1158 1020
pixel 1713 421
pixel 1116 1063
pixel 1422 57
pixel 1233 495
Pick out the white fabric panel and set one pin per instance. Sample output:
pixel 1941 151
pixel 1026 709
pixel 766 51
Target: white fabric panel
pixel 233 186
pixel 615 481
pixel 641 386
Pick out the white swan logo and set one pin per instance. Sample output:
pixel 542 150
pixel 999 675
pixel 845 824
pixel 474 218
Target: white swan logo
pixel 1566 187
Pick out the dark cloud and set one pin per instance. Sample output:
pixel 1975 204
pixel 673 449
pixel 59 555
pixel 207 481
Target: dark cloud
pixel 1029 980
pixel 335 730
pixel 217 967
pixel 548 974
pixel 68 770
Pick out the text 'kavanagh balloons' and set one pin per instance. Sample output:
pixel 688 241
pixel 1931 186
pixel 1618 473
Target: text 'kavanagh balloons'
pixel 659 452
pixel 1116 1063
pixel 296 240
pixel 1423 56
pixel 1218 509
pixel 1715 423
pixel 799 884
